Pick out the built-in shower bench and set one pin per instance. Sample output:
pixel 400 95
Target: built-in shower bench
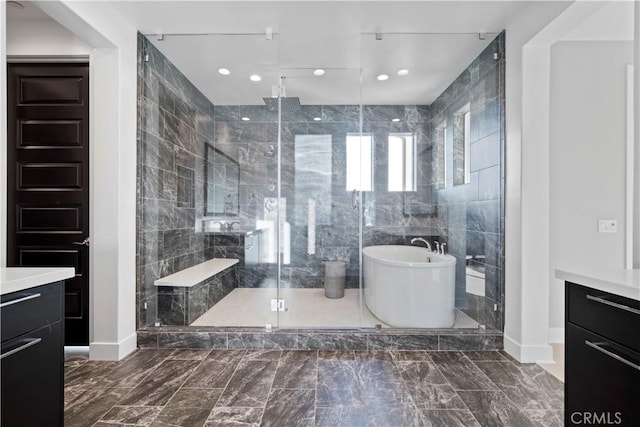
pixel 188 294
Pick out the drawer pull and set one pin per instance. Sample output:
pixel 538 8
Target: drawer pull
pixel 15 301
pixel 613 304
pixel 32 342
pixel 611 354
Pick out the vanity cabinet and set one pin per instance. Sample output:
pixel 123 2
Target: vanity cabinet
pixel 602 359
pixel 32 364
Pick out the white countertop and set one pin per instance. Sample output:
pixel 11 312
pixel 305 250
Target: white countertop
pixel 625 283
pixel 14 279
pixel 198 273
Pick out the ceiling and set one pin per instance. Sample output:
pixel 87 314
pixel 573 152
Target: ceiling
pixel 434 40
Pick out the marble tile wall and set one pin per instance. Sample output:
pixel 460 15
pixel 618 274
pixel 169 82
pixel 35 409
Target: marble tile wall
pixel 181 306
pixel 174 121
pixel 337 231
pixel 474 212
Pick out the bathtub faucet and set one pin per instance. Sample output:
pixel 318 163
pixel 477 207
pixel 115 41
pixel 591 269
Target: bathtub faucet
pixel 420 239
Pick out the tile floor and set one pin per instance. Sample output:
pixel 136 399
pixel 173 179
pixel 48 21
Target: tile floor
pixel 307 388
pixel 305 308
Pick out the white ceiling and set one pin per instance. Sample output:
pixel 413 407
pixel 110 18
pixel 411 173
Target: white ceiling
pixel 435 40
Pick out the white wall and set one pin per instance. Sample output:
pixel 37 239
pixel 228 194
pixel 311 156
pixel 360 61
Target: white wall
pixel 112 170
pixel 43 38
pixel 588 164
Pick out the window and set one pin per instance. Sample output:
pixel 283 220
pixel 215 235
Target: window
pixel 359 162
pixel 402 162
pixel 461 146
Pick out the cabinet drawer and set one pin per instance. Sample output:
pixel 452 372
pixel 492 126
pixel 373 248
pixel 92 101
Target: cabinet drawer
pixel 608 315
pixel 32 378
pixel 602 380
pixel 30 309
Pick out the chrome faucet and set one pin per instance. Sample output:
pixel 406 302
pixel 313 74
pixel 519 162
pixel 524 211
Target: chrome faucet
pixel 231 224
pixel 420 239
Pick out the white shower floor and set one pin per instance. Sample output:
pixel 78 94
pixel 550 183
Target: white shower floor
pixel 305 308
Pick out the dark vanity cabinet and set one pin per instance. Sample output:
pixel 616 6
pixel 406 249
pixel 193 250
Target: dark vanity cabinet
pixel 602 360
pixel 32 364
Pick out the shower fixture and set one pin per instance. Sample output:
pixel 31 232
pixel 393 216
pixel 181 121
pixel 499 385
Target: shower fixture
pixel 288 103
pixel 271 152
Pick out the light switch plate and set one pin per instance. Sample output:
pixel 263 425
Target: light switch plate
pixel 607 226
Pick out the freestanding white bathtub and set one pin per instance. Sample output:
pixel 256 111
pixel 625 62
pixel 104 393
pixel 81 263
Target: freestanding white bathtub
pixel 409 286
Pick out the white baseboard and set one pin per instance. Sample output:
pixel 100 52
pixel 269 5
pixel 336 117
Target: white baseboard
pixel 556 335
pixel 528 353
pixel 113 351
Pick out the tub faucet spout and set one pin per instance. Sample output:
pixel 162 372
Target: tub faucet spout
pixel 420 239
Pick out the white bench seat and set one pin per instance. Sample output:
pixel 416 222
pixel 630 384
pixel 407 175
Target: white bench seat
pixel 191 276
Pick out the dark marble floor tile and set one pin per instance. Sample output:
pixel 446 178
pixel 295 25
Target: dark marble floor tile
pixel 492 408
pixel 461 373
pixel 420 373
pixel 182 417
pixel 338 384
pixel 195 398
pixel 393 415
pixel 211 374
pixel 410 355
pixel 188 354
pixel 546 417
pixel 249 386
pixel 262 355
pixel 373 355
pixel 345 416
pixel 447 418
pixel 234 417
pixel 161 384
pixel 89 373
pixel 290 407
pixel 296 374
pixel 139 415
pixel 470 342
pixel 485 355
pixel 298 355
pixel 336 355
pixel 520 389
pixel 435 397
pixel 85 406
pixel 552 386
pixel 134 369
pixel 226 356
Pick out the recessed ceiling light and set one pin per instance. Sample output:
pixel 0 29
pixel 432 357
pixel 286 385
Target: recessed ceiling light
pixel 395 120
pixel 318 72
pixel 245 119
pixel 382 77
pixel 317 119
pixel 403 72
pixel 255 78
pixel 15 4
pixel 224 71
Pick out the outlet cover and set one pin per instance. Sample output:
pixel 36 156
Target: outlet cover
pixel 607 226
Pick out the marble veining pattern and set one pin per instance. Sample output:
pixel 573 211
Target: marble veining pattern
pixel 272 387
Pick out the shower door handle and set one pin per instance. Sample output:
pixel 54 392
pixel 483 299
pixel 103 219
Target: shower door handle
pixel 354 199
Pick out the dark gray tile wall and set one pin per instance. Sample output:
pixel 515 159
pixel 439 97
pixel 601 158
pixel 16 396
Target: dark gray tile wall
pixel 174 120
pixel 181 306
pixel 474 212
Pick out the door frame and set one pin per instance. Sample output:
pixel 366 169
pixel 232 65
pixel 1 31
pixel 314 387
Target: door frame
pixel 112 114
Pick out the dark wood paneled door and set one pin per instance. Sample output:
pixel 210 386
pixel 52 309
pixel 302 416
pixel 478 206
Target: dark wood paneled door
pixel 48 178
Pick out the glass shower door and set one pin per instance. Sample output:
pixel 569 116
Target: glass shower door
pixel 319 207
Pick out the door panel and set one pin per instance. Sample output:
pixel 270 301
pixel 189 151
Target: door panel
pixel 48 178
